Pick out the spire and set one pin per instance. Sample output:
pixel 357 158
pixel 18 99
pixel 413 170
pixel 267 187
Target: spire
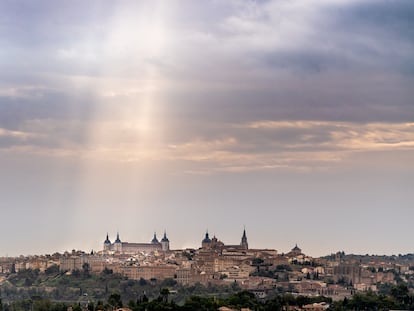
pixel 165 243
pixel 117 238
pixel 107 241
pixel 206 239
pixel 154 239
pixel 244 243
pixel 164 239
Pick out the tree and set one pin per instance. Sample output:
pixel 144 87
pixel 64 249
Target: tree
pixel 86 270
pixel 99 305
pixel 115 301
pixel 53 269
pixel 76 273
pixel 164 294
pixel 76 307
pixel 107 271
pixel 400 293
pixel 91 306
pixel 41 304
pixel 199 303
pixel 345 302
pixel 169 282
pixel 145 298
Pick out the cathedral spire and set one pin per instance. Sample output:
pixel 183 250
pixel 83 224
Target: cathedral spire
pixel 107 241
pixel 243 242
pixel 165 243
pixel 154 239
pixel 118 240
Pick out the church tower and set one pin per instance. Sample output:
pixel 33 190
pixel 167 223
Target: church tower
pixel 165 243
pixel 206 242
pixel 107 244
pixel 154 239
pixel 244 243
pixel 118 244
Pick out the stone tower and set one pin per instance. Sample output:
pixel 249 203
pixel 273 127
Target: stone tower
pixel 154 239
pixel 206 242
pixel 107 244
pixel 118 244
pixel 165 243
pixel 243 242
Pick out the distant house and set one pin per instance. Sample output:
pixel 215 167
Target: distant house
pixel 316 306
pixel 229 309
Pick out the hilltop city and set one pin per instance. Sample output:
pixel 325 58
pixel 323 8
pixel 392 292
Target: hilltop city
pixel 263 272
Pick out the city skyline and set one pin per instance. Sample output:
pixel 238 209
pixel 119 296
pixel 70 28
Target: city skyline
pixel 294 119
pixel 117 237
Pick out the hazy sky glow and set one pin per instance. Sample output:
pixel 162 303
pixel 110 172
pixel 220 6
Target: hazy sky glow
pixel 293 118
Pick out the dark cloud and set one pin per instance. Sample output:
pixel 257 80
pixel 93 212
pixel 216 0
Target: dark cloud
pixel 49 23
pixel 309 61
pixel 365 35
pixel 338 69
pixel 40 104
pixel 379 34
pixel 357 98
pixel 46 118
pixel 379 19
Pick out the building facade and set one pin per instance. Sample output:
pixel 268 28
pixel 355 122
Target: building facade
pixel 133 248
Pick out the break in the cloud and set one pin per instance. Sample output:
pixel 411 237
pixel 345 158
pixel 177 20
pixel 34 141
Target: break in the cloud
pixel 204 90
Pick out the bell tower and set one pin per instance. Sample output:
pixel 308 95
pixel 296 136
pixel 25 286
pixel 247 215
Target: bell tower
pixel 243 242
pixel 107 243
pixel 165 243
pixel 118 243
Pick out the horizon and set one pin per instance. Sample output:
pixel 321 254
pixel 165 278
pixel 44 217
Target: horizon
pixel 279 251
pixel 293 119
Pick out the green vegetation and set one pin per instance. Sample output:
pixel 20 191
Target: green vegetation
pixel 399 299
pixel 243 299
pixel 55 291
pixel 82 286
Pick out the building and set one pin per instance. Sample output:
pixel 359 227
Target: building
pixel 133 248
pixel 149 272
pixel 216 244
pixel 206 242
pixel 296 251
pixel 165 243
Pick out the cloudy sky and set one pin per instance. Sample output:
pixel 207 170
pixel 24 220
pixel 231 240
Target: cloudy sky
pixel 294 118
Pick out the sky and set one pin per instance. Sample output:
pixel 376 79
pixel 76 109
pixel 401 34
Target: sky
pixel 293 119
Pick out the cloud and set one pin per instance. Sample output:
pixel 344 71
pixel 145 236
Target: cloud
pixel 8 137
pixel 107 104
pixel 211 80
pixel 325 36
pixel 296 144
pixel 260 145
